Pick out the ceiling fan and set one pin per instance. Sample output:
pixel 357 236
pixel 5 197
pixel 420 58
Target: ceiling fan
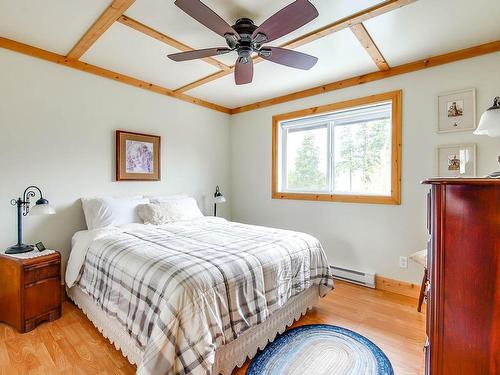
pixel 245 37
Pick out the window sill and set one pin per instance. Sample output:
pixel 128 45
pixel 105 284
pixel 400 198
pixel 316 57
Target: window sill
pixel 347 198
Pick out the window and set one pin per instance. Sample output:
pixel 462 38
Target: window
pixel 345 151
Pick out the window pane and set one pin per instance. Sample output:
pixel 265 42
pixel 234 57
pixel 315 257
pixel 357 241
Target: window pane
pixel 362 154
pixel 337 154
pixel 306 159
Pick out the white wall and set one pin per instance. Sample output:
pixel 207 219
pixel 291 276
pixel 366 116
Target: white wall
pixel 57 131
pixel 361 236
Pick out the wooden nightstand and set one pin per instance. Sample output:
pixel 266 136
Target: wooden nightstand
pixel 30 290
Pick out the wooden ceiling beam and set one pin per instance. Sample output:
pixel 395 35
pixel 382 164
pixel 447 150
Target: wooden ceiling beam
pixel 344 23
pixel 96 70
pixel 430 62
pixel 362 16
pixel 369 45
pixel 103 23
pixel 136 25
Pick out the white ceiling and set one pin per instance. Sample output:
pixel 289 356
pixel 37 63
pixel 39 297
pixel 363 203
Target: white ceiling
pixel 333 64
pixel 164 16
pixel 432 27
pixel 54 25
pixel 122 49
pixel 416 31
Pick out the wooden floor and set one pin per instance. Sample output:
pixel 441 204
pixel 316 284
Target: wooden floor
pixel 72 345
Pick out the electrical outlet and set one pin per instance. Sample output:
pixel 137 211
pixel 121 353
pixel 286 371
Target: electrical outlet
pixel 403 262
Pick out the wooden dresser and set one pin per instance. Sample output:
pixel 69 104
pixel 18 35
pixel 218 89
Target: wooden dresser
pixel 463 309
pixel 30 290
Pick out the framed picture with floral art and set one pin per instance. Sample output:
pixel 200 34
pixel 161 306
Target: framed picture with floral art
pixel 137 156
pixel 457 160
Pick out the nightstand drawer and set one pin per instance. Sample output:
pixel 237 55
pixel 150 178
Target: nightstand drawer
pixel 41 272
pixel 42 297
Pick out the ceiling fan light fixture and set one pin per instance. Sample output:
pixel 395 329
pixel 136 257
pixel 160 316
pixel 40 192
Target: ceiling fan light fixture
pixel 260 38
pixel 265 52
pixel 243 59
pixel 244 51
pixel 231 40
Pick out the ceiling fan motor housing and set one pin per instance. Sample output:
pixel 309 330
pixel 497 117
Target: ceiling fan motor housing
pixel 246 45
pixel 245 27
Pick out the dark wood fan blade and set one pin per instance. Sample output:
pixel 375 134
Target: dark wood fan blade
pixel 288 19
pixel 206 16
pixel 198 54
pixel 243 71
pixel 289 57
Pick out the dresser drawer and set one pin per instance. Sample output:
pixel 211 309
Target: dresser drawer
pixel 41 272
pixel 41 297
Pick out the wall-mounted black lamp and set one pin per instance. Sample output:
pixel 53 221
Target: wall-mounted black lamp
pixel 41 207
pixel 218 198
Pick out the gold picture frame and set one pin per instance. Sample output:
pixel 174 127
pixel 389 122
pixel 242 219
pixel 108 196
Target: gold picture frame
pixel 137 156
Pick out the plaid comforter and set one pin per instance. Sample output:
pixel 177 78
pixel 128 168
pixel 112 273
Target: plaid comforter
pixel 181 290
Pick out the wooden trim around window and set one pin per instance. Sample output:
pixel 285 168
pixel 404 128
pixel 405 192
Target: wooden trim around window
pixel 395 198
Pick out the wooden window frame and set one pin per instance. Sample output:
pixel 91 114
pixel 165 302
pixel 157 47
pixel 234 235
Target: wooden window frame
pixel 395 97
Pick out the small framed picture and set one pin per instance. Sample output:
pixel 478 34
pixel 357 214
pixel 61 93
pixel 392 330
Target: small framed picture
pixel 40 246
pixel 137 156
pixel 457 160
pixel 457 111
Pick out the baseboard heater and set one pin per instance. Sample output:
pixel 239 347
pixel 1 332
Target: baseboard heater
pixel 355 277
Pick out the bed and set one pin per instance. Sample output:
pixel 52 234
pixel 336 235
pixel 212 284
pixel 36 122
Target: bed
pixel 194 296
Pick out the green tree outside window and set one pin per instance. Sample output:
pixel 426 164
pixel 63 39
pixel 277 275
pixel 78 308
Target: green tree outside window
pixel 306 173
pixel 362 150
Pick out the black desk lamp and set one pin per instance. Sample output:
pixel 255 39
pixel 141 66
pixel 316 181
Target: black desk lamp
pixel 218 198
pixel 42 207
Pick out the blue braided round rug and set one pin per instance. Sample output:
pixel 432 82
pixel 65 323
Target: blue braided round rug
pixel 320 349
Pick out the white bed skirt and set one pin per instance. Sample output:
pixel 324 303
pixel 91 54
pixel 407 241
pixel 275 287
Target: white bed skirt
pixel 228 356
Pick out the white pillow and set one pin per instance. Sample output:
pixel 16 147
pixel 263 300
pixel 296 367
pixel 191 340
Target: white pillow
pixel 102 212
pixel 166 198
pixel 169 211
